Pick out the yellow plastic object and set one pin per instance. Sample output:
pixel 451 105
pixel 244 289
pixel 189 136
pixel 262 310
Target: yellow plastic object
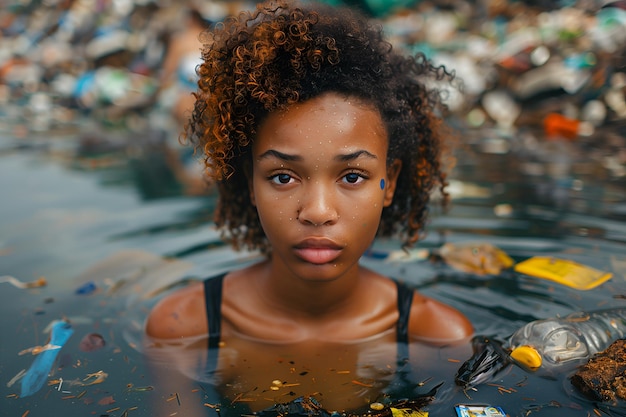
pixel 527 356
pixel 565 272
pixel 407 412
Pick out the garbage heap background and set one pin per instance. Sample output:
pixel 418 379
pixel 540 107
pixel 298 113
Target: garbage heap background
pixel 532 72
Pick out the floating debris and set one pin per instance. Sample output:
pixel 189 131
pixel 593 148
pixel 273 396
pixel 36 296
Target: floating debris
pixel 108 400
pixel 475 258
pixel 172 397
pixel 409 255
pixel 98 378
pixel 38 372
pixel 407 412
pixel 16 378
pixel 463 410
pixel 40 282
pixel 91 342
pixel 603 378
pixel 73 320
pixel 36 350
pixel 362 384
pixel 550 346
pixel 87 288
pixel 132 388
pixel 377 406
pixel 563 271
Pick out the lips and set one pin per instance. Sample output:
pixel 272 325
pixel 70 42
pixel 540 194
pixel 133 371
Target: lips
pixel 317 251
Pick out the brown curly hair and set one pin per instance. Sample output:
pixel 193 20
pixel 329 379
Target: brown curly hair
pixel 261 62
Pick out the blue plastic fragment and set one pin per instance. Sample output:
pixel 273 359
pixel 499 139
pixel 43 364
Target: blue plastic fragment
pixel 86 288
pixel 38 372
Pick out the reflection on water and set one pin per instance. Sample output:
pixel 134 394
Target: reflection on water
pixel 79 209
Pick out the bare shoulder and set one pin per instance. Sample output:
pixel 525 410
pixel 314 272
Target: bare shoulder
pixel 437 323
pixel 180 314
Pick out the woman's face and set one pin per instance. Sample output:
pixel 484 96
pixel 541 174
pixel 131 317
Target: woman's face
pixel 319 182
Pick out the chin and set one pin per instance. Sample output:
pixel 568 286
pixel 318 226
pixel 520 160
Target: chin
pixel 327 272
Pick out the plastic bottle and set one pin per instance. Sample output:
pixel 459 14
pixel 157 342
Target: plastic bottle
pixel 552 343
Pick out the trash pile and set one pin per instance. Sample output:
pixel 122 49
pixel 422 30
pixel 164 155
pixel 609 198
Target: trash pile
pixel 107 60
pixel 556 69
pixel 531 71
pixel 517 59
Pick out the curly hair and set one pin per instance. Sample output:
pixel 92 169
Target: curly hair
pixel 261 62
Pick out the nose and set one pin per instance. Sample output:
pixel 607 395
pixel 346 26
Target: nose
pixel 317 206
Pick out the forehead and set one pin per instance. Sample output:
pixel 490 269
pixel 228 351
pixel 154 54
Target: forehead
pixel 329 118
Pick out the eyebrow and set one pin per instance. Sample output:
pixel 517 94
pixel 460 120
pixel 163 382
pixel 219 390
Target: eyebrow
pixel 341 158
pixel 354 155
pixel 280 155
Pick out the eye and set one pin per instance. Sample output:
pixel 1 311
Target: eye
pixel 353 178
pixel 281 178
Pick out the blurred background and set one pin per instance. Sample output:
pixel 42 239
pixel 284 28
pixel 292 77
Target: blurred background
pixel 543 70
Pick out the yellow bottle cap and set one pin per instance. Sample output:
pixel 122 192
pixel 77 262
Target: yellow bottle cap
pixel 527 356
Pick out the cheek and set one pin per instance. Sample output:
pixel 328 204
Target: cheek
pixel 274 211
pixel 365 214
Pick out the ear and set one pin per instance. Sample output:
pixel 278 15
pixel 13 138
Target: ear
pixel 393 172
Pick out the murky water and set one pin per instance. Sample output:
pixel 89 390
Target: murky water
pixel 61 215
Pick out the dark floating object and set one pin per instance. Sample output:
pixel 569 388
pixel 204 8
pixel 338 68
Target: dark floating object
pixel 91 342
pixel 603 377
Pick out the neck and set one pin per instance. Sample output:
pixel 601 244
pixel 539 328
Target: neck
pixel 308 298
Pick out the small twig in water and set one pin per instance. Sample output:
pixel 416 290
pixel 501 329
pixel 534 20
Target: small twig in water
pixel 23 285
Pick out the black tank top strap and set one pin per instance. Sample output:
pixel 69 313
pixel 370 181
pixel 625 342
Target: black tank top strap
pixel 405 300
pixel 213 305
pixel 397 388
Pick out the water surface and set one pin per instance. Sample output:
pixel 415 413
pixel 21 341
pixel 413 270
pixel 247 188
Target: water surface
pixel 65 210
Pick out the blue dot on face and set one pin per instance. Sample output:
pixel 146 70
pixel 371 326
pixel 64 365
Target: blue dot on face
pixel 382 183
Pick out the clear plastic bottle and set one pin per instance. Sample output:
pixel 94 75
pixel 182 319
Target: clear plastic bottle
pixel 549 344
